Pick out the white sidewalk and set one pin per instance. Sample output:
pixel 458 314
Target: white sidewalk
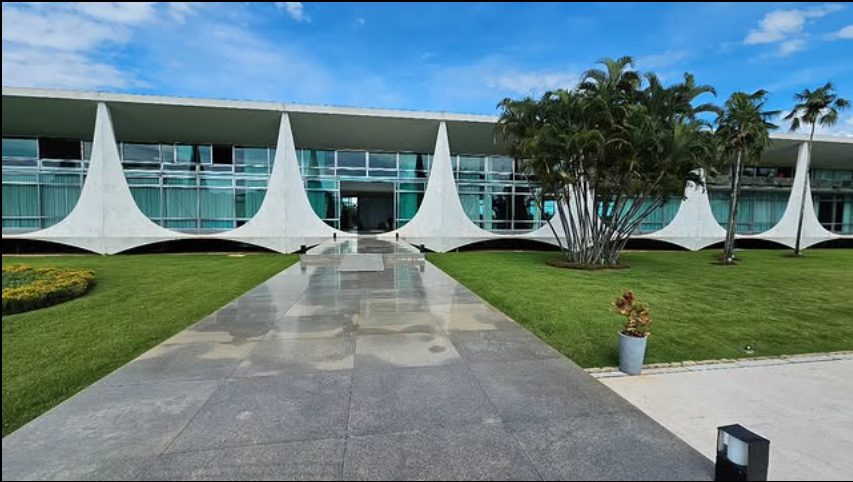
pixel 805 409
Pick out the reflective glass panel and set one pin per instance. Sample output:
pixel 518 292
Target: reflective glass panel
pixel 356 159
pixel 27 148
pixel 141 152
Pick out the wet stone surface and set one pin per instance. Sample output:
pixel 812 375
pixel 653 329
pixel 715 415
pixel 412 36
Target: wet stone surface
pixel 364 362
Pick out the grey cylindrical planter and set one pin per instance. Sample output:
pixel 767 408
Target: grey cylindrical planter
pixel 632 352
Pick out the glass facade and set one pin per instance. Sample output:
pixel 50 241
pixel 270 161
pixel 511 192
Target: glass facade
pixel 212 188
pixel 325 171
pixel 178 186
pixel 658 219
pixel 496 196
pixel 759 211
pixel 832 192
pixel 40 192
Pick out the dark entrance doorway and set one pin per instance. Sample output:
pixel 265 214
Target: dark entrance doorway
pixel 367 207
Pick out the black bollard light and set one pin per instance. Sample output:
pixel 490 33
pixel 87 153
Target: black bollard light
pixel 742 455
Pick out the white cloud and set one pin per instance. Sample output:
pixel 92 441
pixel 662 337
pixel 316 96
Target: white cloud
pixel 477 86
pixel 180 10
pixel 666 59
pixel 56 30
pixel 845 33
pixel 780 25
pixel 34 67
pixel 118 12
pixel 789 47
pixel 62 45
pixel 360 21
pixel 525 83
pixel 296 10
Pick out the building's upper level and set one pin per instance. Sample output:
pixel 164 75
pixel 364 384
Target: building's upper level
pixel 142 118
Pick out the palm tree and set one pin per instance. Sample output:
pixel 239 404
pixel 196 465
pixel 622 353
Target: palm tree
pixel 744 130
pixel 817 107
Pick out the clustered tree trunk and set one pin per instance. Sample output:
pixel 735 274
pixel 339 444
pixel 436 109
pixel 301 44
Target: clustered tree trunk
pixel 731 230
pixel 609 153
pixel 598 231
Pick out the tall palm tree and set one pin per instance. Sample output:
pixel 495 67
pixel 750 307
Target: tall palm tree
pixel 814 107
pixel 743 129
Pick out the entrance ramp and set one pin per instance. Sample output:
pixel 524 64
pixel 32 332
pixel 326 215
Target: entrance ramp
pixel 364 253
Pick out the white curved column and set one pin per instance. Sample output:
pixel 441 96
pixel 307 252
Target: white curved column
pixel 785 231
pixel 285 221
pixel 441 223
pixel 694 226
pixel 106 219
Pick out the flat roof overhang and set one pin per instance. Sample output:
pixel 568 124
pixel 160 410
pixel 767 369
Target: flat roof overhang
pixel 142 118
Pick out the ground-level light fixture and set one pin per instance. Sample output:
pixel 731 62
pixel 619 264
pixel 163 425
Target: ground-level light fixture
pixel 741 455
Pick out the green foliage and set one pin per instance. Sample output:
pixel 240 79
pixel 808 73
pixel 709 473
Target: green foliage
pixel 821 106
pixel 743 130
pixel 744 125
pixel 32 289
pixel 16 279
pixel 621 143
pixel 814 107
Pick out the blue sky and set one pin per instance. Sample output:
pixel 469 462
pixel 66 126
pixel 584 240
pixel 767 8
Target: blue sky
pixel 437 56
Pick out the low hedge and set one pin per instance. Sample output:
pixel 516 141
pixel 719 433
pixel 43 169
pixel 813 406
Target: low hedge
pixel 48 287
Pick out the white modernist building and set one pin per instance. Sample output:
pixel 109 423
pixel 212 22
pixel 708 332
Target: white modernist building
pixel 108 173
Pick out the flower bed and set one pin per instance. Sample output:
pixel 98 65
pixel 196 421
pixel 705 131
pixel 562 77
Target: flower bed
pixel 27 289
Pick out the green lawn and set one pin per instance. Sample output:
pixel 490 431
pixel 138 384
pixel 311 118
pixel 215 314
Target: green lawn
pixel 139 301
pixel 701 310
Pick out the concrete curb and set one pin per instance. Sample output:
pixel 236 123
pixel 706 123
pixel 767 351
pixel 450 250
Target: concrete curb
pixel 724 364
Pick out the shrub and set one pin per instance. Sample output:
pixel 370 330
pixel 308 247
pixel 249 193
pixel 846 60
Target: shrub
pixel 637 319
pixel 27 289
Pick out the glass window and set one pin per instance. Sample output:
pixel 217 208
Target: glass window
pixel 472 164
pixel 525 208
pixel 256 156
pixel 374 173
pixel 414 162
pixel 382 160
pixel 352 173
pixel 500 176
pixel 410 186
pixel 186 154
pixel 501 164
pixel 205 154
pixel 148 199
pixel 27 148
pixel 318 159
pixel 168 153
pixel 141 152
pixel 408 204
pixel 249 203
pixel 354 159
pixel 550 208
pixel 216 204
pixel 325 185
pixel 87 150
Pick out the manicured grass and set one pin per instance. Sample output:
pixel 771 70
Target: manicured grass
pixel 702 311
pixel 139 301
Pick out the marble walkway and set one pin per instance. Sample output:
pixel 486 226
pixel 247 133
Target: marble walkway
pixel 351 367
